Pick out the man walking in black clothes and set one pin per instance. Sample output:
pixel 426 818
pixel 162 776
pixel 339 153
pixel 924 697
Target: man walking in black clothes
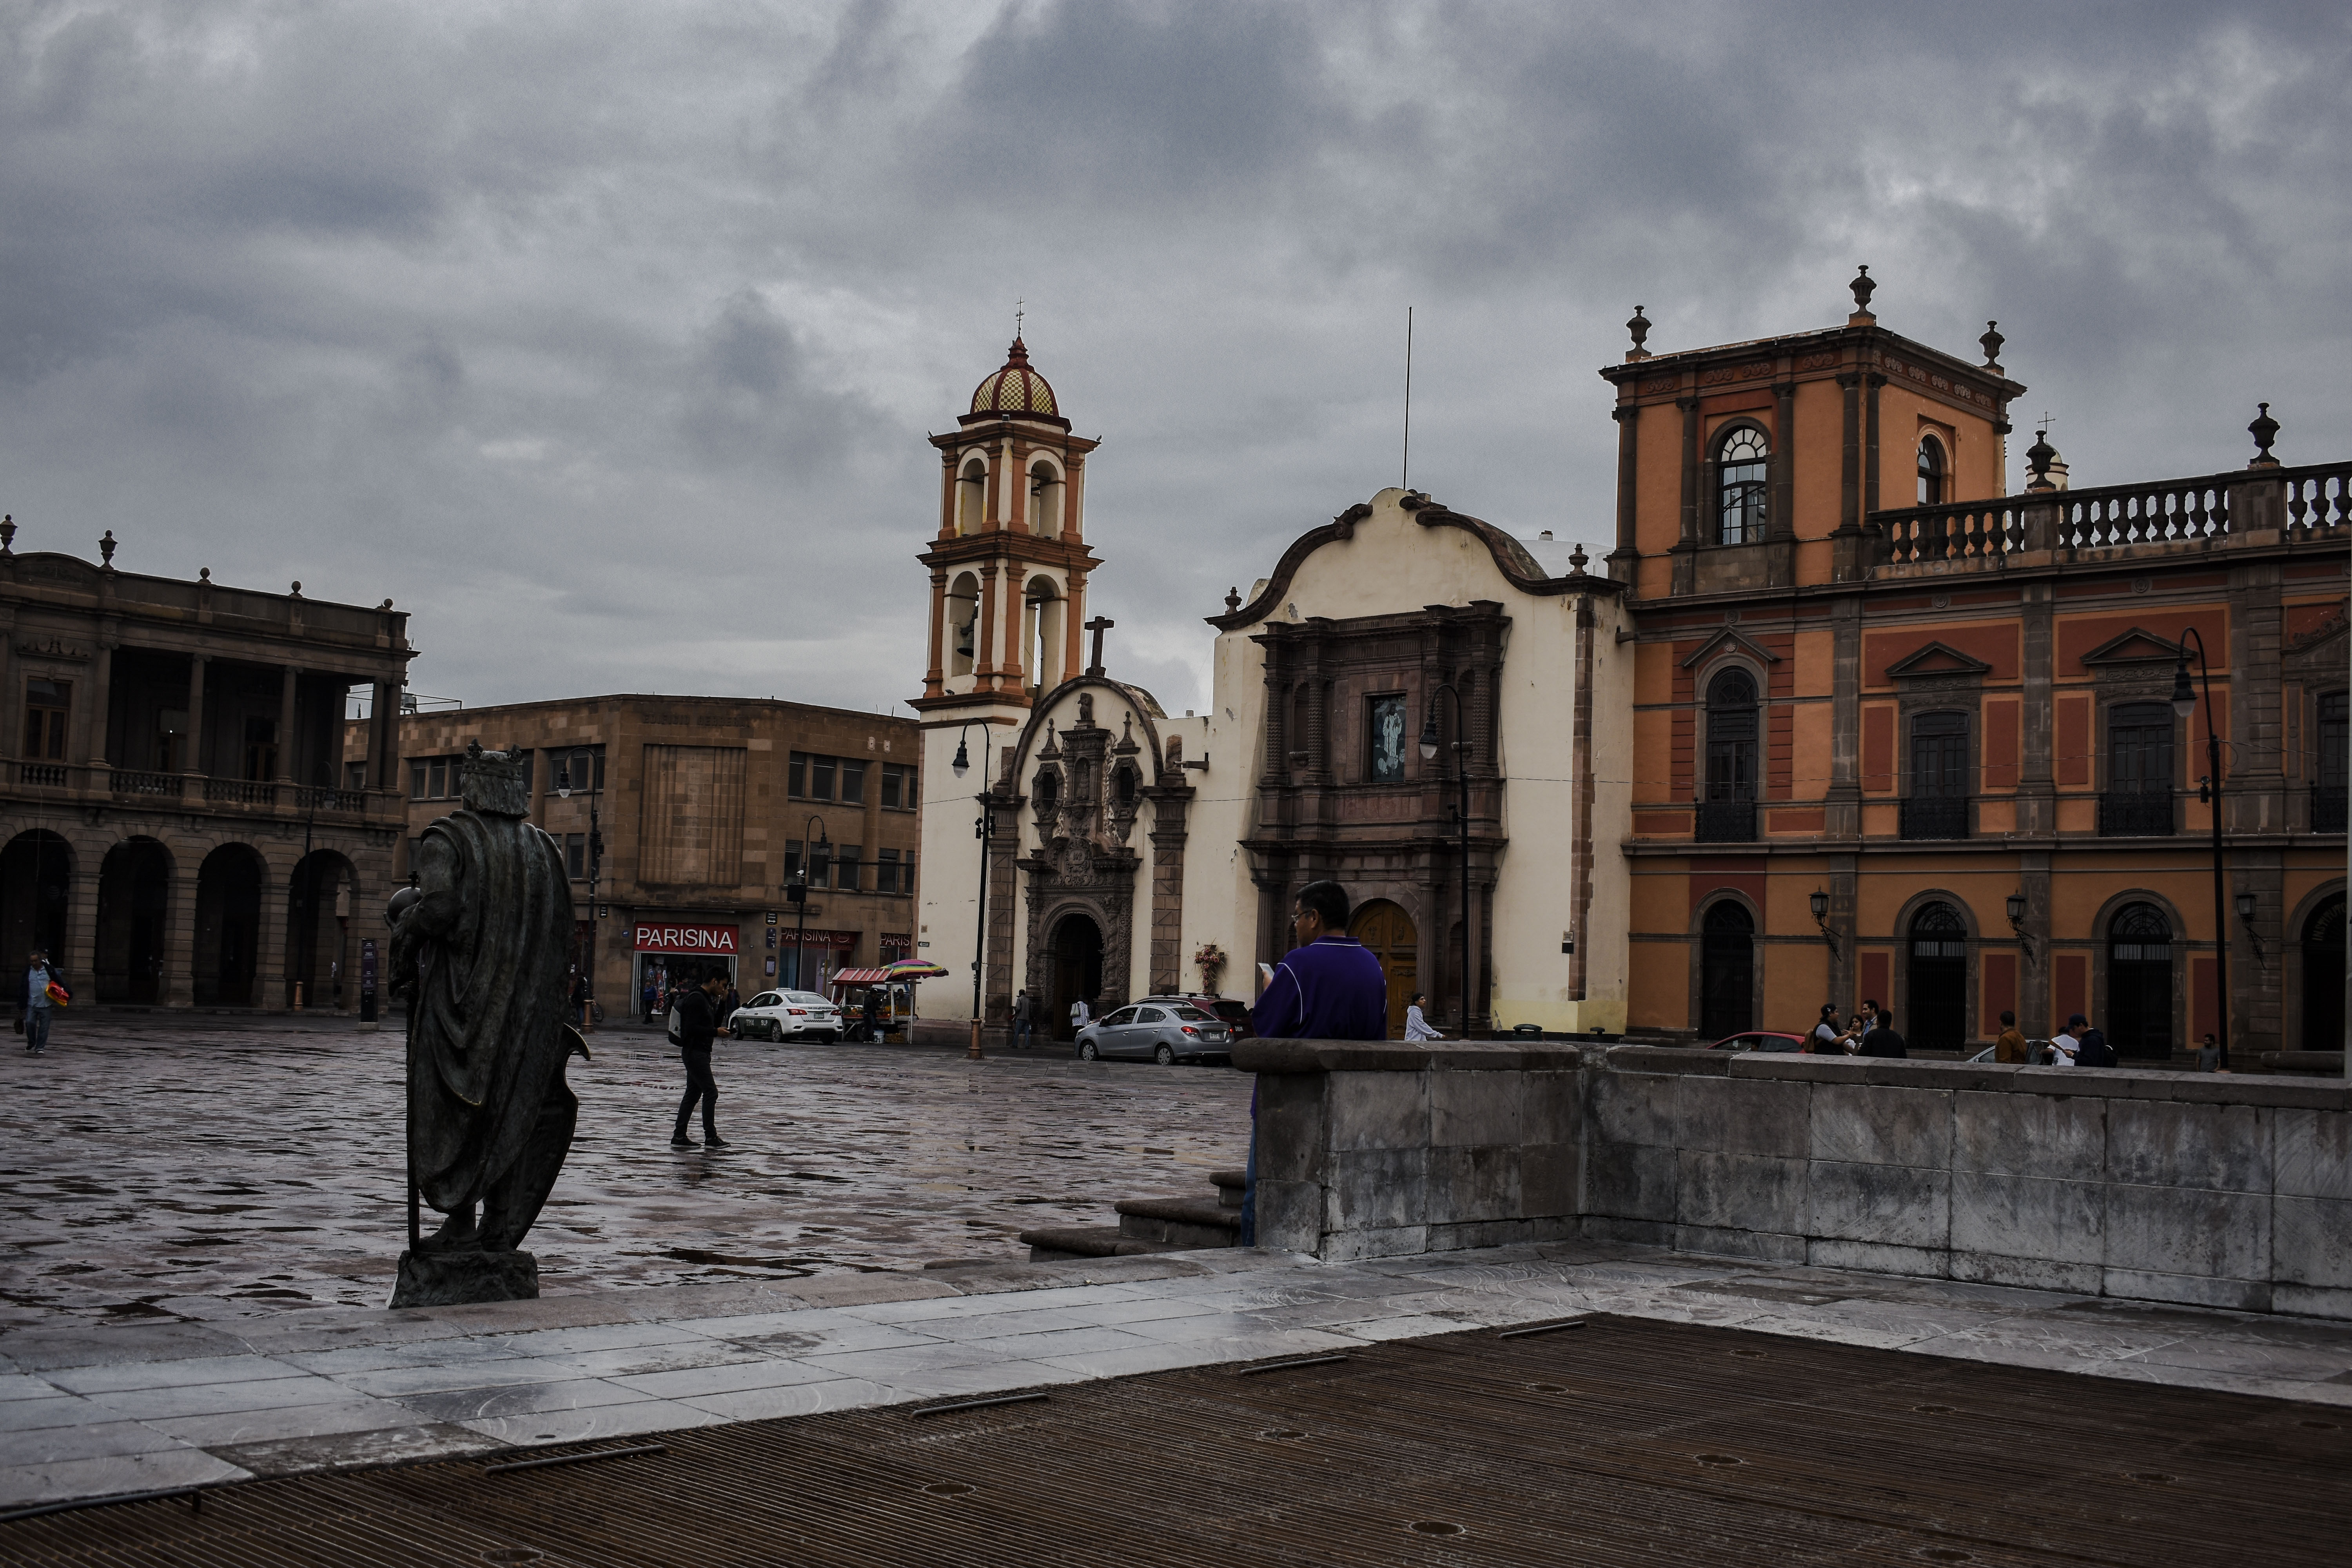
pixel 699 1025
pixel 1882 1040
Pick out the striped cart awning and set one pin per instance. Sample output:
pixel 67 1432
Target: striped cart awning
pixel 860 976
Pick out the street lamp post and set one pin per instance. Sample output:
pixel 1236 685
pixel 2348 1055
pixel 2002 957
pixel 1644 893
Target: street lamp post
pixel 578 763
pixel 796 891
pixel 984 830
pixel 1462 810
pixel 2184 702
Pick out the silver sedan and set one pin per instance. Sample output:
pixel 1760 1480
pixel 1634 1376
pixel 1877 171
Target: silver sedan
pixel 1162 1032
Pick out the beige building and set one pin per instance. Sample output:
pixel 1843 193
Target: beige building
pixel 178 825
pixel 1134 853
pixel 706 810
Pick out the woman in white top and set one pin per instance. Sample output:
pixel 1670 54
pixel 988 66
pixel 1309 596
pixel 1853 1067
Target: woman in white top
pixel 1416 1028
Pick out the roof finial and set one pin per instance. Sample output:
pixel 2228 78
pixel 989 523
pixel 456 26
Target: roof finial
pixel 1992 339
pixel 1576 560
pixel 1863 288
pixel 1020 315
pixel 2039 457
pixel 105 548
pixel 8 534
pixel 1640 327
pixel 1232 599
pixel 2265 430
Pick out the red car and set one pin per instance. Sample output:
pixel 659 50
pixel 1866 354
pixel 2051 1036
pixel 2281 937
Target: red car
pixel 1759 1040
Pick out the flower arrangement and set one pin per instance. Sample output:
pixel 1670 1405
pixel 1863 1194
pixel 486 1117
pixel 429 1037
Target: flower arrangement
pixel 1212 960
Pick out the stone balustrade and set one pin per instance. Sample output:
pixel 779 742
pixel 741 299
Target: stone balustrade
pixel 2215 1190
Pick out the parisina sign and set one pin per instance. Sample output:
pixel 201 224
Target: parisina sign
pixel 652 937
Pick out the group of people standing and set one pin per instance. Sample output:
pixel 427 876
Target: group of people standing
pixel 1869 1032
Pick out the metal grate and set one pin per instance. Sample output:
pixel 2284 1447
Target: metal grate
pixel 1627 1442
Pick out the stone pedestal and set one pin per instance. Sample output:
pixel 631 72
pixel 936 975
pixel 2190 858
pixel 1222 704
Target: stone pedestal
pixel 456 1278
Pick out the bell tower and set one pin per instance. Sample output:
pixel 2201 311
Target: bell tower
pixel 1009 566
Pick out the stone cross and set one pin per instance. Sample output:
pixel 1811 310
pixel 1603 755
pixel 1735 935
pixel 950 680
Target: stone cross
pixel 1098 626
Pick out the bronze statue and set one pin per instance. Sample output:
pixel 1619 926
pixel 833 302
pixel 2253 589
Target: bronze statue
pixel 479 946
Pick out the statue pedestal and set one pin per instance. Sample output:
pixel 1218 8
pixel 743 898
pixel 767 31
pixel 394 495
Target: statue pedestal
pixel 456 1278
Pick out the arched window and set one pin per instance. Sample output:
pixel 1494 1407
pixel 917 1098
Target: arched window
pixel 1047 793
pixel 1042 631
pixel 1939 975
pixel 963 623
pixel 1728 812
pixel 1933 472
pixel 1726 982
pixel 972 497
pixel 1741 464
pixel 2139 982
pixel 1045 501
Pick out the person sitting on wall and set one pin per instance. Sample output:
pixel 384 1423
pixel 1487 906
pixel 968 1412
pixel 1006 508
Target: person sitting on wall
pixel 1882 1040
pixel 1328 988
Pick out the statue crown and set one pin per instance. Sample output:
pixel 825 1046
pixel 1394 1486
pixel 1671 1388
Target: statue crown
pixel 495 782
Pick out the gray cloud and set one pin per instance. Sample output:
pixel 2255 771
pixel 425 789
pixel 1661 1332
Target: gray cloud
pixel 605 337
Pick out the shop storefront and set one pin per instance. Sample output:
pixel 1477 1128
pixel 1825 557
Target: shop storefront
pixel 674 952
pixel 821 954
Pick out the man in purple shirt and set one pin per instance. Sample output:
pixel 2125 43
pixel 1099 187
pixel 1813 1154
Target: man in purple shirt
pixel 1328 988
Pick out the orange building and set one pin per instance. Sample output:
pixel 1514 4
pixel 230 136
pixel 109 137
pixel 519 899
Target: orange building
pixel 1901 735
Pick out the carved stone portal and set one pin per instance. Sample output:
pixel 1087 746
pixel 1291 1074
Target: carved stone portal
pixel 1084 797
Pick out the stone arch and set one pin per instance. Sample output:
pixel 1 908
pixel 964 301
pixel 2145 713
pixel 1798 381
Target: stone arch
pixel 2131 1000
pixel 1045 633
pixel 318 901
pixel 1048 496
pixel 36 879
pixel 135 884
pixel 230 884
pixel 1718 994
pixel 1072 961
pixel 2300 986
pixel 971 493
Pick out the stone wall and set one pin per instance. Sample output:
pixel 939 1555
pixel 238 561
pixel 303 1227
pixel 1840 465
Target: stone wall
pixel 1375 1149
pixel 2214 1190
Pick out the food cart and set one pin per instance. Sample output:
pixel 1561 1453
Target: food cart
pixel 851 987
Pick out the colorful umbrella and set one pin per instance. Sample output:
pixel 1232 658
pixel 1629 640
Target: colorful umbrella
pixel 914 969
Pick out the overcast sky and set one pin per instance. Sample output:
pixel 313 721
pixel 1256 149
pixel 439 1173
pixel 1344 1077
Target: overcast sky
pixel 604 338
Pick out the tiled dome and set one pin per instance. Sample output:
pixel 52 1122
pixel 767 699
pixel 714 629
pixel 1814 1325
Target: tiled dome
pixel 1016 389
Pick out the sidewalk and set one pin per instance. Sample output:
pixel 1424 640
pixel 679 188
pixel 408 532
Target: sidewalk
pixel 89 1409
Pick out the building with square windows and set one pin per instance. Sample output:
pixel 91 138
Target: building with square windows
pixel 687 824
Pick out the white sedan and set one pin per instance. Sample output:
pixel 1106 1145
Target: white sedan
pixel 787 1015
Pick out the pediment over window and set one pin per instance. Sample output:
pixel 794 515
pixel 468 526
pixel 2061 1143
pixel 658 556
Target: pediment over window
pixel 1728 639
pixel 2135 646
pixel 1937 659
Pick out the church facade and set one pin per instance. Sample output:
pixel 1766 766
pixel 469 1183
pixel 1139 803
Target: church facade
pixel 1396 665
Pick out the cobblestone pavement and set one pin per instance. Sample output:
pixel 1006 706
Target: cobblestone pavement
pixel 225 1170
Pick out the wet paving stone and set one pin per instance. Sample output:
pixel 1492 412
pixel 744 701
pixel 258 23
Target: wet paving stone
pixel 214 1172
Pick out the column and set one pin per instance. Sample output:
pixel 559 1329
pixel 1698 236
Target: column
pixel 1686 573
pixel 193 759
pixel 180 927
pixel 1625 560
pixel 1843 801
pixel 983 648
pixel 90 714
pixel 2033 974
pixel 936 673
pixel 270 964
pixel 291 677
pixel 79 960
pixel 1846 551
pixel 10 722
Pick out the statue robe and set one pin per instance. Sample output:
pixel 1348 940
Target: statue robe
pixel 487 944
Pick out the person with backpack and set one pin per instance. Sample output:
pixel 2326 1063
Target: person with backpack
pixel 43 993
pixel 2091 1048
pixel 695 1024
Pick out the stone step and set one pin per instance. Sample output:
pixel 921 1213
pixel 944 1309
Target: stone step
pixel 1180 1221
pixel 1231 1185
pixel 1059 1244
